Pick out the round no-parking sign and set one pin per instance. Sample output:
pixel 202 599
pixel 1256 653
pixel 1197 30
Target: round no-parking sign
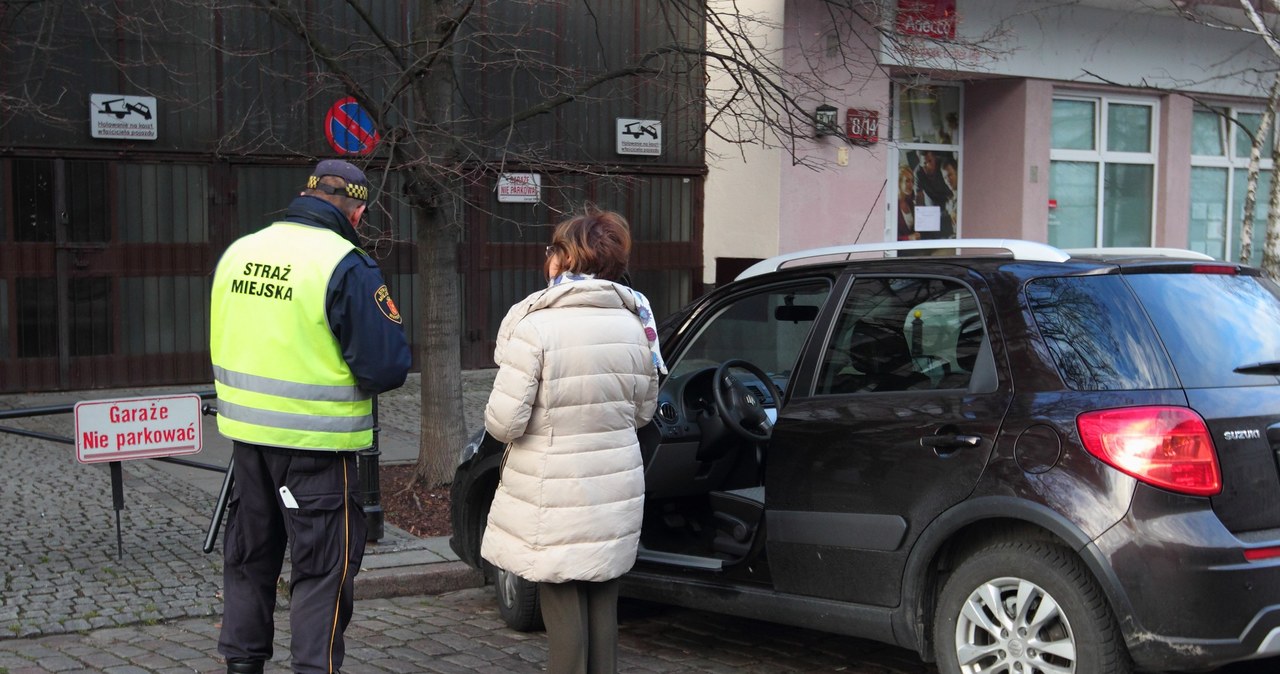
pixel 349 128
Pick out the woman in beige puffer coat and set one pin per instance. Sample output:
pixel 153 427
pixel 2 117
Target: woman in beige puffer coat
pixel 577 375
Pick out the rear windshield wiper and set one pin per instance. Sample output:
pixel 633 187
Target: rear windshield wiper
pixel 1265 367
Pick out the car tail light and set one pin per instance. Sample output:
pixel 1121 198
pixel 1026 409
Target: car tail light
pixel 1215 269
pixel 1167 447
pixel 1259 554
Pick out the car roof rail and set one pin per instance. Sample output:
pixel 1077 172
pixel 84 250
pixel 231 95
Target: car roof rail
pixel 1021 250
pixel 1137 251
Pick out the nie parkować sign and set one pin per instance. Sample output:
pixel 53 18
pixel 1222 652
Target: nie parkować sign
pixel 137 428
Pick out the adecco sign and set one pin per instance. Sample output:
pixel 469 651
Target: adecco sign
pixel 137 428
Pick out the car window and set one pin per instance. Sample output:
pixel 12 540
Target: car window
pixel 1212 324
pixel 766 328
pixel 1098 334
pixel 899 334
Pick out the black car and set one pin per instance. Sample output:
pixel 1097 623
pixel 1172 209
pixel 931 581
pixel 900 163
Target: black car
pixel 1063 461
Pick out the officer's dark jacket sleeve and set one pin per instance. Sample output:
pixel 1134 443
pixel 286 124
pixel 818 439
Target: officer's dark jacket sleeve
pixel 368 327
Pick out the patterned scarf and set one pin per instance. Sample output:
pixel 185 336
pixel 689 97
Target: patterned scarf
pixel 643 309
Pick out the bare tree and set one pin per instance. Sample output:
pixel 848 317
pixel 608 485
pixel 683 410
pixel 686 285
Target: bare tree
pixel 414 65
pixel 1255 157
pixel 1256 24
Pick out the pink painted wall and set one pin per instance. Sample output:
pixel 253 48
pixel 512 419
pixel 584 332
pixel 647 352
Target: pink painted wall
pixel 1173 172
pixel 1005 159
pixel 1005 151
pixel 834 204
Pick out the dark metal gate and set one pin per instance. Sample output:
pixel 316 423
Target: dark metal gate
pixel 503 257
pixel 105 265
pixel 103 273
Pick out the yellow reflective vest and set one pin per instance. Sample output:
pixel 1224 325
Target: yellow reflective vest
pixel 278 369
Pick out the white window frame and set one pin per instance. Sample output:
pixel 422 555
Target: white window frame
pixel 1100 156
pixel 899 146
pixel 1231 164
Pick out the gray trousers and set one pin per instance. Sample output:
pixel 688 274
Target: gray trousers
pixel 582 626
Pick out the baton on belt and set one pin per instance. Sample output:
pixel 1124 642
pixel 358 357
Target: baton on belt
pixel 215 522
pixel 220 509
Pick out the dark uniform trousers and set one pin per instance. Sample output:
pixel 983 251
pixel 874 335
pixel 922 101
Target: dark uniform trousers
pixel 582 626
pixel 325 534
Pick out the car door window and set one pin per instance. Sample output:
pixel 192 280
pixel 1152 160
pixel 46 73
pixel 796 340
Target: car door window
pixel 767 329
pixel 903 334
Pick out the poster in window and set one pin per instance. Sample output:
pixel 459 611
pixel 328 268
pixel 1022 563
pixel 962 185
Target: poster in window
pixel 929 113
pixel 928 179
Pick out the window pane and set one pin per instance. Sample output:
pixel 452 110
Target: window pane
pixel 1244 141
pixel 929 114
pixel 4 320
pixel 263 193
pixel 90 300
pixel 154 321
pixel 1240 186
pixel 1208 134
pixel 37 304
pixel 1098 334
pixel 1128 128
pixel 168 203
pixel 1208 222
pixel 87 201
pixel 1073 125
pixel 899 334
pixel 751 328
pixel 1073 186
pixel 1207 352
pixel 1126 198
pixel 33 200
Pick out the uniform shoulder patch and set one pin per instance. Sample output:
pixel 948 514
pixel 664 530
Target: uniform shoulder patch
pixel 382 297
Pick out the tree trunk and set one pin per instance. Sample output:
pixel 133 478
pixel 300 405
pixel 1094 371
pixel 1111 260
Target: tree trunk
pixel 1255 157
pixel 1271 250
pixel 442 425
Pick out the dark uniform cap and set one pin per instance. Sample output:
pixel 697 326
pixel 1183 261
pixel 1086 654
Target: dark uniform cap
pixel 357 186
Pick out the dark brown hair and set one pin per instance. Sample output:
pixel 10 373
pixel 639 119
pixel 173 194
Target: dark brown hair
pixel 596 242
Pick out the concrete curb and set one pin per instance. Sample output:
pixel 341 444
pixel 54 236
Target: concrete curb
pixel 404 581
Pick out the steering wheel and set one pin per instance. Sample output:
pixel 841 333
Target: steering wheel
pixel 740 408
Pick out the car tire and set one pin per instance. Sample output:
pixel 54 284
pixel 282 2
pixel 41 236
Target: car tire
pixel 517 600
pixel 1024 581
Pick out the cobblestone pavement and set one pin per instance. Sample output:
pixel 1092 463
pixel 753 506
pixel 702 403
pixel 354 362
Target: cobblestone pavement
pixel 61 571
pixel 59 557
pixel 461 632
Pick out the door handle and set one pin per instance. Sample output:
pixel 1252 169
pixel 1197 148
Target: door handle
pixel 944 445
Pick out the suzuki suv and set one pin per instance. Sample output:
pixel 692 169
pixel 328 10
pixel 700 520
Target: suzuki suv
pixel 1007 457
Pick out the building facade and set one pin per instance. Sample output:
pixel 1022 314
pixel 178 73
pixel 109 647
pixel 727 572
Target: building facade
pixel 138 139
pixel 1095 123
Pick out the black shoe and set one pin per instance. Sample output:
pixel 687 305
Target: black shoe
pixel 244 667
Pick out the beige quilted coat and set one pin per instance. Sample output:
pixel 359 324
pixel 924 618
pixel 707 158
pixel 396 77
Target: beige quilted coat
pixel 575 379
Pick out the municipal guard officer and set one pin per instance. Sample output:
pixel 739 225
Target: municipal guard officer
pixel 303 333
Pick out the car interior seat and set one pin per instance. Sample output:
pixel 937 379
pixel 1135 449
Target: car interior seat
pixel 880 351
pixel 968 346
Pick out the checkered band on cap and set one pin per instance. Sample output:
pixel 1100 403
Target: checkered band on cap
pixel 357 186
pixel 350 189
